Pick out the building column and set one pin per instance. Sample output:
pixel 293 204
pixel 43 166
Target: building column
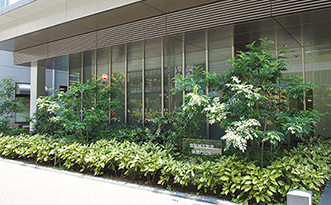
pixel 37 87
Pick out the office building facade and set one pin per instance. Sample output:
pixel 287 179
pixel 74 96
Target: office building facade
pixel 139 46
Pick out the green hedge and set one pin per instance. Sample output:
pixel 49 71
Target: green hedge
pixel 304 167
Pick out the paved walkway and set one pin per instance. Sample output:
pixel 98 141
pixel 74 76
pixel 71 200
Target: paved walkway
pixel 26 184
pixel 326 199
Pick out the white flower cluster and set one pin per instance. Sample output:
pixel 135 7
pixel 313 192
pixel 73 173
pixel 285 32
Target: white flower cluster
pixel 196 99
pixel 215 111
pixel 50 106
pixel 247 90
pixel 240 132
pixel 294 129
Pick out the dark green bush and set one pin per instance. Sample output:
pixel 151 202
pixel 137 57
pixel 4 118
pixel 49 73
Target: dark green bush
pixel 306 167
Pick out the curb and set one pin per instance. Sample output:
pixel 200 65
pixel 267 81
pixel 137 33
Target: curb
pixel 121 183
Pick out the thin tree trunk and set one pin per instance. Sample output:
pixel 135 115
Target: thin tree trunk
pixel 262 147
pixel 272 156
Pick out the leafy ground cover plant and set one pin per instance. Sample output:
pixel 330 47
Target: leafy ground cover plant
pixel 306 167
pixel 253 101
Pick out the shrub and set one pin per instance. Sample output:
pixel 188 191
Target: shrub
pixel 251 100
pixel 82 112
pixel 9 105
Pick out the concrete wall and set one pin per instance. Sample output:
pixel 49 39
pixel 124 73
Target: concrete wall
pixel 8 69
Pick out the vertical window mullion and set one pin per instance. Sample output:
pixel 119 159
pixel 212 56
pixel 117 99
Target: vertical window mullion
pixel 183 62
pixel 143 83
pixel 109 76
pixel 126 84
pixel 207 70
pixel 162 75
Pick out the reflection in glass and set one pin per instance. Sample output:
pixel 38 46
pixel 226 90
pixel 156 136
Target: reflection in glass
pixel 88 66
pixel 172 68
pixel 57 73
pixel 293 56
pixel 118 81
pixel 195 59
pixel 195 51
pixel 103 64
pixel 152 79
pixel 75 66
pixel 317 41
pixel 135 83
pixel 219 49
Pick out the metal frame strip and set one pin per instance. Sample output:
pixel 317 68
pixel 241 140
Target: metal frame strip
pixel 207 70
pixel 162 75
pixel 303 65
pixel 143 83
pixel 126 84
pixel 109 75
pixel 183 61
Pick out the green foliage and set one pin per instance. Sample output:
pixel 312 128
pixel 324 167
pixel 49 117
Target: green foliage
pixel 173 127
pixel 251 100
pixel 306 167
pixel 9 105
pixel 81 112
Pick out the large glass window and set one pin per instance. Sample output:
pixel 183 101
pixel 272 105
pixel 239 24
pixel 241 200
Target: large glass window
pixel 220 49
pixel 5 3
pixel 153 79
pixel 135 83
pixel 289 38
pixel 89 66
pixel 103 63
pixel 75 67
pixel 317 41
pixel 172 67
pixel 195 52
pixel 57 73
pixel 118 81
pixel 9 5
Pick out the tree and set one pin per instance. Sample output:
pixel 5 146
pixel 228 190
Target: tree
pixel 251 100
pixel 82 112
pixel 9 105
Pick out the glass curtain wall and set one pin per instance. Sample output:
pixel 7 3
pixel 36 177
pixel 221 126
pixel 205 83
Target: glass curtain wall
pixel 88 66
pixel 57 73
pixel 220 50
pixel 317 43
pixel 103 64
pixel 153 92
pixel 195 58
pixel 306 37
pixel 173 62
pixel 134 83
pixel 118 81
pixel 195 52
pixel 75 68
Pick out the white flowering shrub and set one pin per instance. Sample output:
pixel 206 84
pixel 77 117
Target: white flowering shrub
pixel 82 112
pixel 251 100
pixel 239 132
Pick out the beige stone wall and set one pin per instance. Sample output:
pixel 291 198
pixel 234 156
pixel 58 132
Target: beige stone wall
pixel 43 14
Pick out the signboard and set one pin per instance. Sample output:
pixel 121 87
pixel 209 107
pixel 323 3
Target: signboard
pixel 104 76
pixel 203 146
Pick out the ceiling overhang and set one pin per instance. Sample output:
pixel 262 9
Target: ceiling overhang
pixel 129 11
